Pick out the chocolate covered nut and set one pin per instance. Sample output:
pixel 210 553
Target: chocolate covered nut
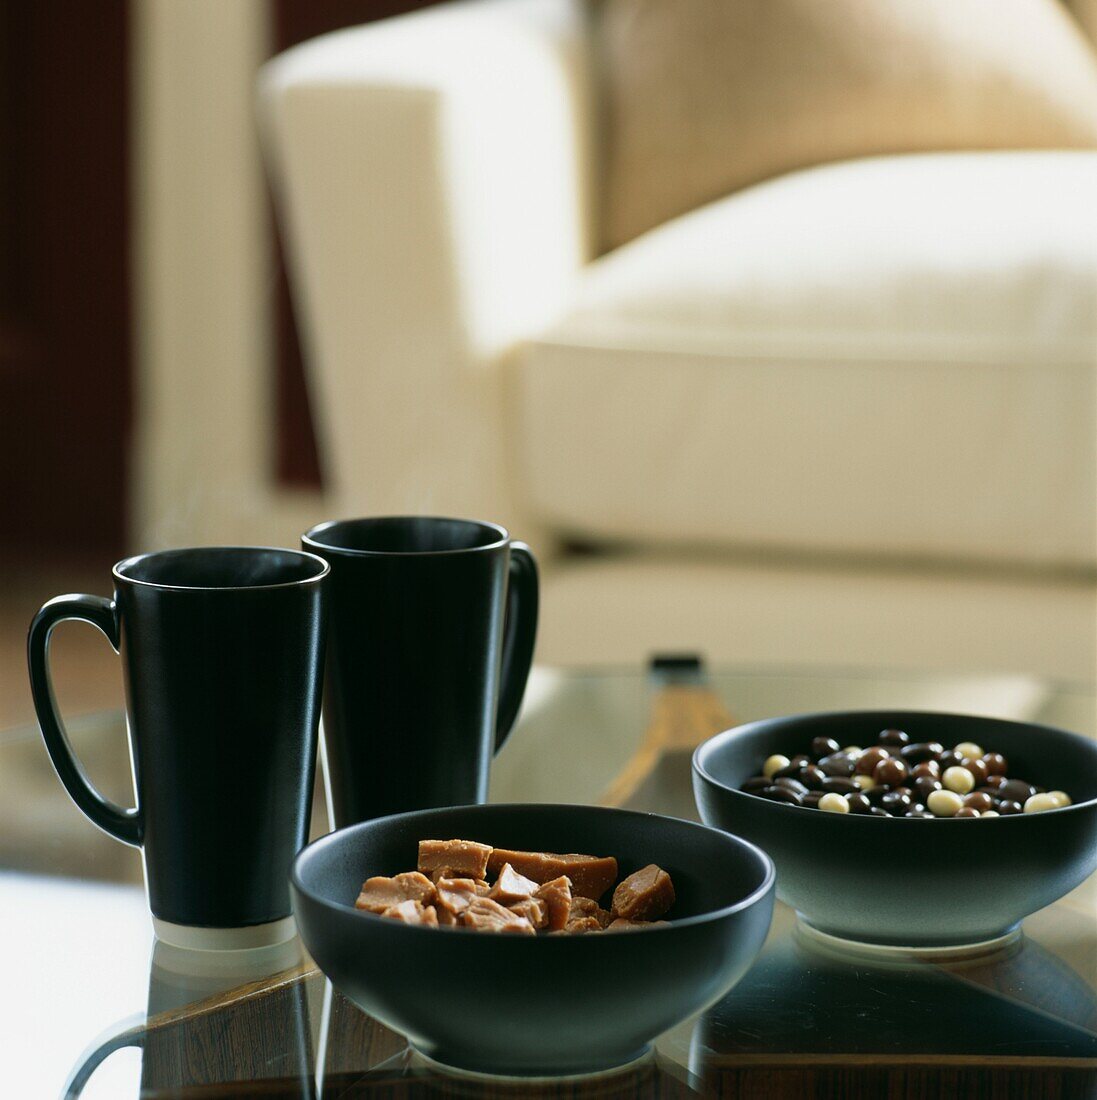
pixel 591 876
pixel 812 777
pixel 755 783
pixel 966 811
pixel 780 794
pixel 921 752
pixel 978 801
pixel 944 803
pixel 858 804
pixel 511 887
pixel 968 748
pixel 895 739
pixel 1016 790
pixel 977 768
pixel 412 912
pixel 463 858
pixel 774 764
pixel 795 766
pixel 645 895
pixel 897 803
pixel 891 772
pixel 486 915
pixel 1037 803
pixel 996 763
pixel 1007 807
pixel 381 893
pixel 867 761
pixel 957 779
pixel 840 784
pixel 557 898
pixel 924 787
pixel 793 785
pixel 928 769
pixel 823 746
pixel 833 803
pixel 837 764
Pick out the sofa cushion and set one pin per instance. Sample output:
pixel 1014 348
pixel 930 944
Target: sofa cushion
pixel 703 97
pixel 894 355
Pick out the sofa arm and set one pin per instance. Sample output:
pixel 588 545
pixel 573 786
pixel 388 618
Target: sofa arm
pixel 431 172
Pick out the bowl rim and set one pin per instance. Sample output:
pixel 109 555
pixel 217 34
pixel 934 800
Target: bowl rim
pixel 734 733
pixel 337 836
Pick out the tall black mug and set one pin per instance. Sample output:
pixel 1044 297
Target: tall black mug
pixel 222 650
pixel 431 631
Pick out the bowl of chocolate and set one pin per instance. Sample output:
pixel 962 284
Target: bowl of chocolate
pixel 905 828
pixel 464 929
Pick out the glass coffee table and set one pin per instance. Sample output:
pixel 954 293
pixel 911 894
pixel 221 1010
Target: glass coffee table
pixel 96 1008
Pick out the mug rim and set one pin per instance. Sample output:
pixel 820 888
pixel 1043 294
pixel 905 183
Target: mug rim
pixel 310 537
pixel 117 570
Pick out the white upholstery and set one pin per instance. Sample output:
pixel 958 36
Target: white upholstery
pixel 891 355
pixel 888 360
pixel 433 177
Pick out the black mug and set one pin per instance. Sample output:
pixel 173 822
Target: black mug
pixel 222 650
pixel 430 639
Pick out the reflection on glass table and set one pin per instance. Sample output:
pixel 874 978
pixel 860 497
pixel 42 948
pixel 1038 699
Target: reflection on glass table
pixel 99 1002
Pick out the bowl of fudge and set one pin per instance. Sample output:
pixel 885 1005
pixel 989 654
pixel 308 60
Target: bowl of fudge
pixel 904 828
pixel 532 939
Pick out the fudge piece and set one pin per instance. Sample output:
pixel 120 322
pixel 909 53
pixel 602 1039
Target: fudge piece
pixel 557 898
pixel 454 896
pixel 412 912
pixel 511 887
pixel 582 912
pixel 621 924
pixel 591 876
pixel 381 893
pixel 533 909
pixel 644 895
pixel 461 858
pixel 486 915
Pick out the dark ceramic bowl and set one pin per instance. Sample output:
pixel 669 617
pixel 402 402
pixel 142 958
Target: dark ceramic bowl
pixel 546 1004
pixel 910 881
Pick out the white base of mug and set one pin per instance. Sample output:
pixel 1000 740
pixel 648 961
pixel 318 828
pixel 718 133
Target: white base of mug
pixel 193 938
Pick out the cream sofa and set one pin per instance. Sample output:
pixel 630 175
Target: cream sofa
pixel 846 416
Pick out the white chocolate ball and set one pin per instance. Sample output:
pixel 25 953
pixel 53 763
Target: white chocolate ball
pixel 1040 802
pixel 1061 798
pixel 853 750
pixel 944 803
pixel 774 764
pixel 834 803
pixel 864 782
pixel 968 749
pixel 990 813
pixel 959 780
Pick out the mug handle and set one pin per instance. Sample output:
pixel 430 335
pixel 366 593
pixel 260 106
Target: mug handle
pixel 126 825
pixel 519 634
pixel 127 1033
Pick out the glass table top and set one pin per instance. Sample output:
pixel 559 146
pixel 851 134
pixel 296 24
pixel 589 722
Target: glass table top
pixel 94 1002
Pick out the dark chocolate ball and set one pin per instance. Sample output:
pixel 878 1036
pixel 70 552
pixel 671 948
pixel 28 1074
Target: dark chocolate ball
pixel 894 739
pixel 791 784
pixel 812 777
pixel 891 772
pixel 755 783
pixel 811 799
pixel 840 784
pixel 921 751
pixel 978 770
pixel 781 794
pixel 966 811
pixel 928 769
pixel 877 812
pixel 838 763
pixel 867 761
pixel 824 746
pixel 979 801
pixel 858 804
pixel 1007 807
pixel 995 781
pixel 924 786
pixel 896 803
pixel 1016 790
pixel 996 763
pixel 949 759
